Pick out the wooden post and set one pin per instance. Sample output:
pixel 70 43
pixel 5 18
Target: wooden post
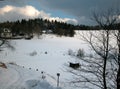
pixel 58 75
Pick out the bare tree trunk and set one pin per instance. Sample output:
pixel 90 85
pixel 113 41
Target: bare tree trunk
pixel 118 72
pixel 118 78
pixel 104 75
pixel 106 47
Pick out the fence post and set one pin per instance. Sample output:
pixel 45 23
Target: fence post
pixel 58 75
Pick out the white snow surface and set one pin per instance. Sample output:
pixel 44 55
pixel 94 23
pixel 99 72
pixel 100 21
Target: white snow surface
pixel 17 77
pixel 48 54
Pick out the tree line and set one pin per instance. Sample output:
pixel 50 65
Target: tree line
pixel 36 26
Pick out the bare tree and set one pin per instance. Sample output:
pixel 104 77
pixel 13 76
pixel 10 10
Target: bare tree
pixel 99 41
pixel 106 20
pixel 99 70
pixel 114 25
pixel 4 43
pixel 118 73
pixel 117 56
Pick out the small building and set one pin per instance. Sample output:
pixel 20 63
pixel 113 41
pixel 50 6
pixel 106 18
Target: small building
pixel 6 33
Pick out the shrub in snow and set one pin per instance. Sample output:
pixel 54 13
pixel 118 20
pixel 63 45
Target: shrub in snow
pixel 80 53
pixel 91 55
pixel 33 53
pixel 71 53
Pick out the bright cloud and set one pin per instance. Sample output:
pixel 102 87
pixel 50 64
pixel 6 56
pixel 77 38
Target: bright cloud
pixel 68 20
pixel 6 9
pixel 12 13
pixel 28 11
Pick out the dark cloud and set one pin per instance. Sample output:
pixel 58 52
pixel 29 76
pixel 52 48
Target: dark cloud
pixel 79 9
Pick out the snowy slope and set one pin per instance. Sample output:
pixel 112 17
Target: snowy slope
pixel 17 77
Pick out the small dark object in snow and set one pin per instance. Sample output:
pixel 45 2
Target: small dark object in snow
pixel 30 68
pixel 74 65
pixel 45 52
pixel 58 74
pixel 41 72
pixel 36 69
pixel 3 65
pixel 43 76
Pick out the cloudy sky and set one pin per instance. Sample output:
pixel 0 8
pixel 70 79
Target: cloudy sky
pixel 70 11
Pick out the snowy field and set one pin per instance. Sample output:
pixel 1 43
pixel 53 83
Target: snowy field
pixel 48 54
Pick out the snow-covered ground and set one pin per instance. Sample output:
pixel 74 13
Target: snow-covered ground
pixel 17 77
pixel 48 54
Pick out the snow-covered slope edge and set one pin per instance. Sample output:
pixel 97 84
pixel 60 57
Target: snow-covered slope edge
pixel 17 77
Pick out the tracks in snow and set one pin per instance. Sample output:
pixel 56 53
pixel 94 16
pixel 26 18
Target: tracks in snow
pixel 17 78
